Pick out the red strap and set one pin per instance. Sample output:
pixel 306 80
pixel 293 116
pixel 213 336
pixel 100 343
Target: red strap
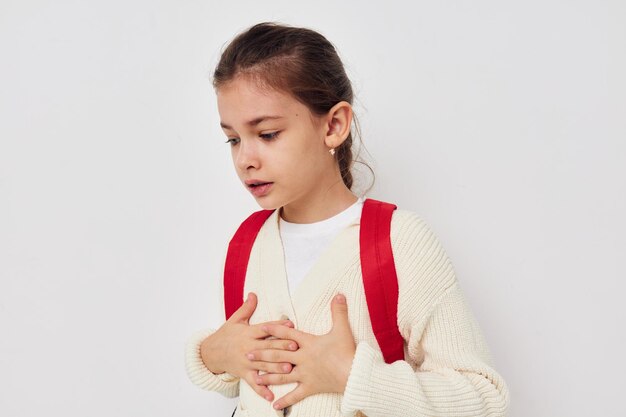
pixel 237 257
pixel 379 277
pixel 377 265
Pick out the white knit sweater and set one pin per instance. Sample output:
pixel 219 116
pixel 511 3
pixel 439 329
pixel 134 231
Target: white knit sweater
pixel 448 369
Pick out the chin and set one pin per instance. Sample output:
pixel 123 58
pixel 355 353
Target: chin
pixel 267 203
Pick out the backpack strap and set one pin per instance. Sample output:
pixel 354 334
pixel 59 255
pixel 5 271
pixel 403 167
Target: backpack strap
pixel 237 257
pixel 379 277
pixel 377 265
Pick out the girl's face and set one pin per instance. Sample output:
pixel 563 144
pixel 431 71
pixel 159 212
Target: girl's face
pixel 275 139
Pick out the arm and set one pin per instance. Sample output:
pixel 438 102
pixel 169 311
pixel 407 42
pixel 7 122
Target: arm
pixel 452 373
pixel 224 383
pixel 455 377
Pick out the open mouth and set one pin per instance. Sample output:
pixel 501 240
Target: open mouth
pixel 260 189
pixel 258 184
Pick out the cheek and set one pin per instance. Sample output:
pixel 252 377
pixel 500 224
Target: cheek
pixel 307 170
pixel 297 161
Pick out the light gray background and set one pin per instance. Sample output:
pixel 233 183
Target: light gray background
pixel 501 123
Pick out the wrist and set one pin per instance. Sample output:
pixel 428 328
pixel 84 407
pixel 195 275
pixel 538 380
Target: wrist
pixel 210 357
pixel 344 372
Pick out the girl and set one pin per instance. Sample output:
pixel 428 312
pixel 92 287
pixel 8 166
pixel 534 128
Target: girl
pixel 302 343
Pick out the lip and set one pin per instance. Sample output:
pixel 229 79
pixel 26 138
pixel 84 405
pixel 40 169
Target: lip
pixel 254 181
pixel 259 190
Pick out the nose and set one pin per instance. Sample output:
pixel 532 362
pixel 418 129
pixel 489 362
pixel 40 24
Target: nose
pixel 247 155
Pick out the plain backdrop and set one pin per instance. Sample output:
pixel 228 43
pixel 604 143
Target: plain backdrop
pixel 501 123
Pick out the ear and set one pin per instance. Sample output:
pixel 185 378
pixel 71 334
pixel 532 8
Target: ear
pixel 338 123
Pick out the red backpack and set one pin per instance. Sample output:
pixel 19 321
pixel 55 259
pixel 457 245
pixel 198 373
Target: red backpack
pixel 377 265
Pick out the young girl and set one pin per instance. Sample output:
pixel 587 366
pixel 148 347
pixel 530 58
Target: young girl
pixel 302 343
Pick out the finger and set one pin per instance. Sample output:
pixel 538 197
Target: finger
pixel 287 322
pixel 276 379
pixel 262 390
pixel 283 344
pixel 271 368
pixel 258 332
pixel 244 312
pixel 271 355
pixel 283 332
pixel 339 310
pixel 298 394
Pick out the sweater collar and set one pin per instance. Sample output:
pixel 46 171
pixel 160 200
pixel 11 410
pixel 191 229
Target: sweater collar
pixel 342 253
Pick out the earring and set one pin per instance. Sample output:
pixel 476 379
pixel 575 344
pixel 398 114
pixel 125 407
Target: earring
pixel 332 151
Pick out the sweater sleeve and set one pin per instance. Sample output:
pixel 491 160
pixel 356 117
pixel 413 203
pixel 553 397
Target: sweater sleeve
pixel 225 383
pixel 449 371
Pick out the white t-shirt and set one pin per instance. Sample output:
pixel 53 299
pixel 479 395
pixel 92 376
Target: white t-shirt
pixel 303 243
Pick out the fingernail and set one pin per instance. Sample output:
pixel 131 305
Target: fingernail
pixel 277 406
pixel 341 299
pixel 268 397
pixel 285 367
pixel 250 356
pixel 292 347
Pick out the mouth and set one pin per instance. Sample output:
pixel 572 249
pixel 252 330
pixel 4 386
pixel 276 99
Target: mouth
pixel 259 188
pixel 257 184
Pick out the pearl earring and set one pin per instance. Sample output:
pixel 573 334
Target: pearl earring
pixel 332 151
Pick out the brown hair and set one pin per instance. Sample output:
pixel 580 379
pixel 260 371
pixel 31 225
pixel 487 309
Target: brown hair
pixel 298 61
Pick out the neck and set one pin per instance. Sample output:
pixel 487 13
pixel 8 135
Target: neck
pixel 319 206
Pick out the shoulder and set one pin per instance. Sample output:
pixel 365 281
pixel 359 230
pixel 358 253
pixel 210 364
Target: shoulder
pixel 416 247
pixel 425 272
pixel 405 221
pixel 411 235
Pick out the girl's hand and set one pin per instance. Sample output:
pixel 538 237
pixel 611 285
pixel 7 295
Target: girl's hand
pixel 225 350
pixel 322 363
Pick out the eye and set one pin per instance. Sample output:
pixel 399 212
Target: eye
pixel 269 136
pixel 231 141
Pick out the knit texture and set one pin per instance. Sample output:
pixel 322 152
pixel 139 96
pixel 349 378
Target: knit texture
pixel 447 369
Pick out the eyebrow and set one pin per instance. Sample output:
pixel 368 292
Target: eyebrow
pixel 253 122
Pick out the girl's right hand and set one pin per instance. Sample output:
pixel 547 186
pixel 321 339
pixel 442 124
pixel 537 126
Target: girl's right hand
pixel 225 350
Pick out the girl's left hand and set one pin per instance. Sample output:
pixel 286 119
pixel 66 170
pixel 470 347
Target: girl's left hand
pixel 321 363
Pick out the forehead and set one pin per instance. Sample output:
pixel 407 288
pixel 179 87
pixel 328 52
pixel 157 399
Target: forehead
pixel 242 100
